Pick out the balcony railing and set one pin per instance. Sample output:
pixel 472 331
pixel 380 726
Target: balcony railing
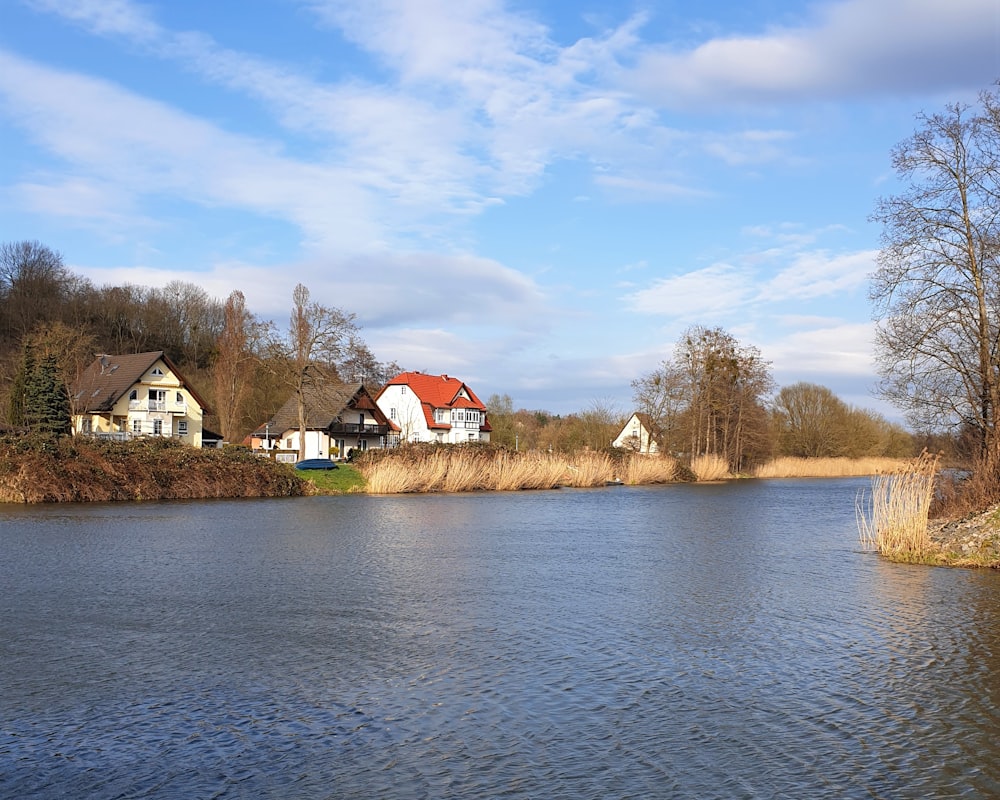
pixel 157 405
pixel 359 429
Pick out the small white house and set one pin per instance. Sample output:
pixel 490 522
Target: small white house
pixel 433 408
pixel 638 435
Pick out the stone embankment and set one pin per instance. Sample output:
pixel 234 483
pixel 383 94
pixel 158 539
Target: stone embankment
pixel 974 537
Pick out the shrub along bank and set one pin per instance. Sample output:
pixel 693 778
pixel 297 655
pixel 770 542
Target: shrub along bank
pixel 44 469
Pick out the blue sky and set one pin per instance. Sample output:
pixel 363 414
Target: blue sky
pixel 536 196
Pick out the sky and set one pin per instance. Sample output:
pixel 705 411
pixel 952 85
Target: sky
pixel 535 196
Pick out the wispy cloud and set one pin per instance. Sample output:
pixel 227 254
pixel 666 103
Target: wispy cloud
pixel 819 274
pixel 711 292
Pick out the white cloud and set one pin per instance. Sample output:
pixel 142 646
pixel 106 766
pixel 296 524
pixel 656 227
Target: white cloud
pixel 716 290
pixel 147 149
pixel 819 274
pixel 855 47
pixel 843 349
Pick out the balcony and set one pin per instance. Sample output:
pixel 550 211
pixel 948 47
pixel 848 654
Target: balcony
pixel 160 406
pixel 357 429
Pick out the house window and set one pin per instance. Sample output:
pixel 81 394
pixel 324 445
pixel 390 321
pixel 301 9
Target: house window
pixel 402 390
pixel 137 426
pixel 179 398
pixel 182 427
pixel 158 427
pixel 157 372
pixel 86 426
pixel 392 413
pixel 133 395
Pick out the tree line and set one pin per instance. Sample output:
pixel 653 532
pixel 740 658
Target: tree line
pixel 935 295
pixel 53 321
pixel 713 396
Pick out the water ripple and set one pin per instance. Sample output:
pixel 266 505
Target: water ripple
pixel 680 642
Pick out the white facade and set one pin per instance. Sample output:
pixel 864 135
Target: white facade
pixel 445 411
pixel 635 436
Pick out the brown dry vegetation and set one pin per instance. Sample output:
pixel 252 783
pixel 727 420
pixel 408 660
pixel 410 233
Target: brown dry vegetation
pixel 710 467
pixel 43 470
pixel 892 518
pixel 788 467
pixel 465 469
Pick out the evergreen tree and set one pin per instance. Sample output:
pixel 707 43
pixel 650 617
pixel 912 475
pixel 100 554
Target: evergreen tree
pixel 46 400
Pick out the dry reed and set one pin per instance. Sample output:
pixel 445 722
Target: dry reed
pixel 468 470
pixel 788 467
pixel 590 469
pixel 638 470
pixel 710 467
pixel 892 519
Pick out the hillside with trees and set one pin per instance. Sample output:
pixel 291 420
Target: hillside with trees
pixel 713 396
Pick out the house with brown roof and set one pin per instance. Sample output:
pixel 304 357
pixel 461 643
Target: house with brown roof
pixel 340 418
pixel 433 408
pixel 142 394
pixel 638 434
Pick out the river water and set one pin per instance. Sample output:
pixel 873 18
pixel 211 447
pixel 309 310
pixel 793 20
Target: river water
pixel 702 641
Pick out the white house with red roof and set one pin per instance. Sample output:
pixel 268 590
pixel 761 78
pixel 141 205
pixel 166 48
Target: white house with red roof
pixel 433 408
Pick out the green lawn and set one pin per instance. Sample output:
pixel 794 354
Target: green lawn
pixel 335 481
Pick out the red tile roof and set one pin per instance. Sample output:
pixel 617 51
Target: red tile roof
pixel 439 391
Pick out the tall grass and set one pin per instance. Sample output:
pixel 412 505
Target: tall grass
pixel 468 470
pixel 788 467
pixel 710 467
pixel 636 470
pixel 892 519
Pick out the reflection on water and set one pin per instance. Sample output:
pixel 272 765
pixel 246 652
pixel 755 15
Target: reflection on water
pixel 681 641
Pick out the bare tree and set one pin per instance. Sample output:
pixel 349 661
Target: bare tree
pixel 810 421
pixel 708 398
pixel 359 365
pixel 726 383
pixel 317 337
pixel 501 415
pixel 70 351
pixel 661 396
pixel 236 359
pixel 937 287
pixel 34 283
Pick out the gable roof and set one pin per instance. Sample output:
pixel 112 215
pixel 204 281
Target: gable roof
pixel 646 421
pixel 107 378
pixel 438 391
pixel 325 403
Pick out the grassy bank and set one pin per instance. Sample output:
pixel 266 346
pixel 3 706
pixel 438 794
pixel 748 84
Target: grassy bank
pixel 44 470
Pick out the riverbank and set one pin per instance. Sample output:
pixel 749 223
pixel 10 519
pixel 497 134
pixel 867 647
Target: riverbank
pixel 973 541
pixel 49 470
pixel 44 470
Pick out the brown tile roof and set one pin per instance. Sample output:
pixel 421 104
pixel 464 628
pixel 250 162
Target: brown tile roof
pixel 325 403
pixel 109 377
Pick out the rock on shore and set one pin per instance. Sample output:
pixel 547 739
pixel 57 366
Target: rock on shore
pixel 977 536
